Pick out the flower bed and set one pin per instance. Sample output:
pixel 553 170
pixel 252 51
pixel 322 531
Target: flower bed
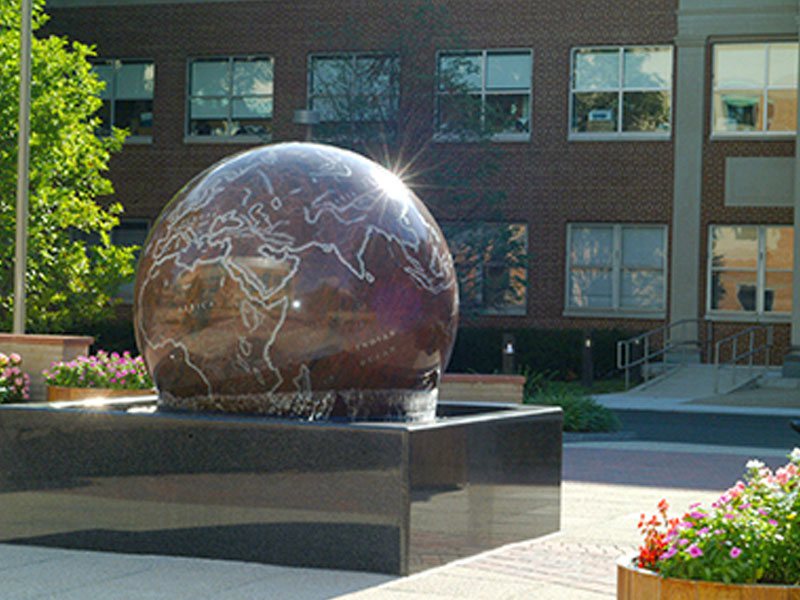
pixel 103 370
pixel 14 383
pixel 750 535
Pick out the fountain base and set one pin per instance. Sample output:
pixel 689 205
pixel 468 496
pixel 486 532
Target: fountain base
pixel 389 497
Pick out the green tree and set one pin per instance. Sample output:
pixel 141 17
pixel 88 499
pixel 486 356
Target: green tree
pixel 434 130
pixel 68 285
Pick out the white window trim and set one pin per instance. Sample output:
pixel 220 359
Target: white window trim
pixel 758 315
pixel 439 136
pixel 133 140
pixel 618 135
pixel 615 311
pixel 748 135
pixel 188 138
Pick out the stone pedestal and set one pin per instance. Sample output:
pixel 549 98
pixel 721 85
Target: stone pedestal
pixel 482 388
pixel 388 497
pixel 38 352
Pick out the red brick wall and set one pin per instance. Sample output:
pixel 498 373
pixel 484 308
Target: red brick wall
pixel 549 181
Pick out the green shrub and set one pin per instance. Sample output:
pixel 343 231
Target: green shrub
pixel 581 412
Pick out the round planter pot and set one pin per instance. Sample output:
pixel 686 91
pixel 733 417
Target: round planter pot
pixel 634 583
pixel 57 393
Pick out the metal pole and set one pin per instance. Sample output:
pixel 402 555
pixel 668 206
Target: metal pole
pixel 23 144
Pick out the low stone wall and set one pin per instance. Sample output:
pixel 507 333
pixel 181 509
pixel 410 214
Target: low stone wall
pixel 468 387
pixel 38 352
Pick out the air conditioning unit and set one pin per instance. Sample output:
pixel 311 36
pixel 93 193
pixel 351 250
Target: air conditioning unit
pixel 601 119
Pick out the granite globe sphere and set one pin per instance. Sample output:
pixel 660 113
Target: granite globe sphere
pixel 297 280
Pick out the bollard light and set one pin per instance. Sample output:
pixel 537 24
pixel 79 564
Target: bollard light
pixel 587 362
pixel 507 351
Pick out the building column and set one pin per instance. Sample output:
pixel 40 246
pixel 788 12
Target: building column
pixel 688 124
pixel 791 362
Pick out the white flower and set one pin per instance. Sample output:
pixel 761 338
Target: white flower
pixel 795 455
pixel 754 465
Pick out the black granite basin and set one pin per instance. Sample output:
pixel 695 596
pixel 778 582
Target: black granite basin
pixel 373 496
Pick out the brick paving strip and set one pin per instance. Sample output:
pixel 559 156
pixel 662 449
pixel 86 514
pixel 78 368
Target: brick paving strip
pixel 572 563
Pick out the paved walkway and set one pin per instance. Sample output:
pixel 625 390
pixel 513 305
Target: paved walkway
pixel 606 487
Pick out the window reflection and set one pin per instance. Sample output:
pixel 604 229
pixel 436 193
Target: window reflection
pixel 741 258
pixel 621 90
pixel 231 97
pixel 361 90
pixel 755 88
pixel 484 92
pixel 617 267
pixel 127 96
pixel 491 265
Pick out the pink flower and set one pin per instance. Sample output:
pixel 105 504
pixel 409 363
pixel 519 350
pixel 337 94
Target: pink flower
pixel 735 552
pixel 673 550
pixel 694 551
pixel 15 357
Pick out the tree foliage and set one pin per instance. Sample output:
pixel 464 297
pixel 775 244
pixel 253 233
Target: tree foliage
pixel 68 285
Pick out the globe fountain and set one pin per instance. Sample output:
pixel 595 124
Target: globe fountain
pixel 296 305
pixel 297 280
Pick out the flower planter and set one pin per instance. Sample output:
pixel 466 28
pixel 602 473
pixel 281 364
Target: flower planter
pixel 57 393
pixel 634 583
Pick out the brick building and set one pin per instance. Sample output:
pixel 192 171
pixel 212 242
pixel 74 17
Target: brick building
pixel 647 154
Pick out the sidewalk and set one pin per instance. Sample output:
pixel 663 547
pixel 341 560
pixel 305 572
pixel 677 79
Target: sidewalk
pixel 607 485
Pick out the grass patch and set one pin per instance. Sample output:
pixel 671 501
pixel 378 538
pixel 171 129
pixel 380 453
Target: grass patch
pixel 581 412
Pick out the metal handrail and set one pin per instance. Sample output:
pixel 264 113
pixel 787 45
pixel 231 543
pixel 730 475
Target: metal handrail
pixel 752 351
pixel 649 338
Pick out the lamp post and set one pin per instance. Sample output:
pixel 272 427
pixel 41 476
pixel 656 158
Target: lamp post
pixel 23 154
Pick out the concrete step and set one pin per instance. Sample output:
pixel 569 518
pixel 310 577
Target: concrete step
pixel 698 381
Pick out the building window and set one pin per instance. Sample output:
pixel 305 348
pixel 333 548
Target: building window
pixel 750 269
pixel 491 265
pixel 230 98
pixel 621 92
pixel 614 268
pixel 127 96
pixel 361 91
pixel 485 93
pixel 755 89
pixel 129 232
